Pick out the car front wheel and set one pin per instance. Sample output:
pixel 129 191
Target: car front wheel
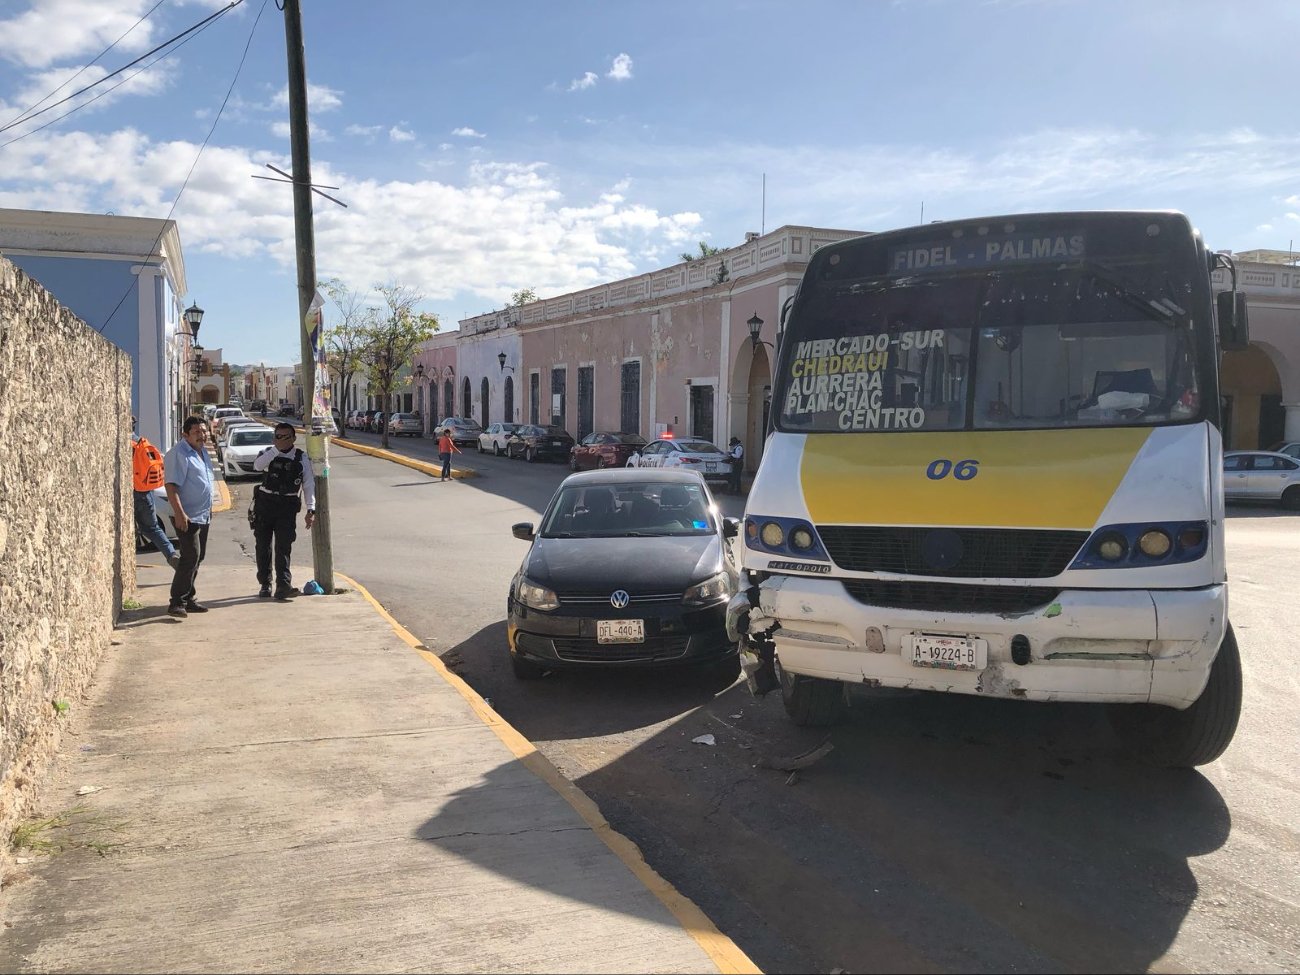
pixel 530 456
pixel 480 446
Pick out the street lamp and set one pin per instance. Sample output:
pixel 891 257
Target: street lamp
pixel 501 359
pixel 755 325
pixel 194 318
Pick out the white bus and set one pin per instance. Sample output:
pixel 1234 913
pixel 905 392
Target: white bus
pixel 996 469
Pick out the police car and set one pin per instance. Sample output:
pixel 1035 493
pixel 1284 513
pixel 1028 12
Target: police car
pixel 688 454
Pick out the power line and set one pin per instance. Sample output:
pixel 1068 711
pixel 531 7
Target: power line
pixel 242 58
pixel 27 118
pixel 83 68
pixel 107 91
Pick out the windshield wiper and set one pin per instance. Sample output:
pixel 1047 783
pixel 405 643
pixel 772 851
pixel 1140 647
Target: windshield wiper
pixel 1166 308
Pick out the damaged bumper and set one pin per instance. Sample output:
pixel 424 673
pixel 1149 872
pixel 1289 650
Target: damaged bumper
pixel 1134 646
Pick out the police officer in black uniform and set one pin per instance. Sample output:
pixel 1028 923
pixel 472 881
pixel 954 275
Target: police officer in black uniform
pixel 276 504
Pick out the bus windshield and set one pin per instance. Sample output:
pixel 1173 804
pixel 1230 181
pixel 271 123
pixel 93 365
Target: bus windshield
pixel 875 344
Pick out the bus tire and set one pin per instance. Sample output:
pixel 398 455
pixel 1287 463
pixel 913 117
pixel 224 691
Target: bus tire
pixel 812 702
pixel 1171 738
pixel 1291 498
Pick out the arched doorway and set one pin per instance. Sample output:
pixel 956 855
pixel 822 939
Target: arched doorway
pixel 485 395
pixel 508 410
pixel 1253 417
pixel 467 406
pixel 751 393
pixel 448 399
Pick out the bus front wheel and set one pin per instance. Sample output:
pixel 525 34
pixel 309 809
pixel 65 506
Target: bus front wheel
pixel 1196 736
pixel 811 702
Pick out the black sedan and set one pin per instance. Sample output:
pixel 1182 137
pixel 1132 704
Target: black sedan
pixel 534 443
pixel 630 568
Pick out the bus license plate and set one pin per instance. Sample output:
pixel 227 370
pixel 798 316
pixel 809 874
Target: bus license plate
pixel 620 631
pixel 949 652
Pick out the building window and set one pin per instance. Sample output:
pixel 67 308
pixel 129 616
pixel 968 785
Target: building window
pixel 467 406
pixel 586 400
pixel 702 412
pixel 508 412
pixel 448 399
pixel 629 420
pixel 485 394
pixel 534 397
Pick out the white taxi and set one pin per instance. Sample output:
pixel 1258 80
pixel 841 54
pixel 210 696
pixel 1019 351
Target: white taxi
pixel 686 453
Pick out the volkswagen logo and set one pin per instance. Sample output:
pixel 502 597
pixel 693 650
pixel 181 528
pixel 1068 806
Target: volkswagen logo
pixel 619 599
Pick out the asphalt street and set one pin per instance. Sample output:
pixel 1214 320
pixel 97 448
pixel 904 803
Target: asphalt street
pixel 940 834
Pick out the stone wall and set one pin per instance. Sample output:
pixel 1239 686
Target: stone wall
pixel 67 534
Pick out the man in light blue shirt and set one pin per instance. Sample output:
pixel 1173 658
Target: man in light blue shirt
pixel 187 475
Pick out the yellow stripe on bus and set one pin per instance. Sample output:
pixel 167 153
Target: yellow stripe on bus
pixel 1022 479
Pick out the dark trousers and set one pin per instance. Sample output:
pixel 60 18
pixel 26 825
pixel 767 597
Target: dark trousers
pixel 146 523
pixel 446 464
pixel 194 546
pixel 733 481
pixel 275 519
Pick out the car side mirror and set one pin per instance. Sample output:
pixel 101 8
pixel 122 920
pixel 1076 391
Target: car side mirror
pixel 730 527
pixel 523 531
pixel 1234 329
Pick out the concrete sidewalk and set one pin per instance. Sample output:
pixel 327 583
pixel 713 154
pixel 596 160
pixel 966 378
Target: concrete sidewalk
pixel 300 787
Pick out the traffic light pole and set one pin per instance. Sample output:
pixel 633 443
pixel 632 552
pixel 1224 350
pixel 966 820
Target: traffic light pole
pixel 305 234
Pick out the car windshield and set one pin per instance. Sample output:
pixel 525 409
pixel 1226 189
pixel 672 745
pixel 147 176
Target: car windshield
pixel 509 427
pixel 629 509
pixel 245 438
pixel 698 447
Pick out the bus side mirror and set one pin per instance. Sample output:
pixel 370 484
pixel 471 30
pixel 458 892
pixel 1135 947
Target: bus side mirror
pixel 1234 329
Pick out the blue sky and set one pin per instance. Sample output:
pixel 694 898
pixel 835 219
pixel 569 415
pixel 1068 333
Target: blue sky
pixel 485 148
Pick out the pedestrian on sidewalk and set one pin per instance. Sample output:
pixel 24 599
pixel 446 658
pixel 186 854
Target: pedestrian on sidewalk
pixel 187 474
pixel 147 474
pixel 737 453
pixel 276 504
pixel 446 446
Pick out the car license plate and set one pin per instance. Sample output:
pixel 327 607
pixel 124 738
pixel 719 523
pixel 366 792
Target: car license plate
pixel 620 631
pixel 709 467
pixel 949 652
pixel 557 443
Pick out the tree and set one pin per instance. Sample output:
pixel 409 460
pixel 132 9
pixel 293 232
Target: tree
pixel 343 342
pixel 523 297
pixel 391 335
pixel 705 251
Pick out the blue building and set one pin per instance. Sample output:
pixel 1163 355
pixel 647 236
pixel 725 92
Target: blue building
pixel 125 277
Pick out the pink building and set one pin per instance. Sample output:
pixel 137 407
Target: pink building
pixel 667 351
pixel 433 372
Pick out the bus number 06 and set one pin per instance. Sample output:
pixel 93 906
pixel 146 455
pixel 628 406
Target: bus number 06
pixel 963 470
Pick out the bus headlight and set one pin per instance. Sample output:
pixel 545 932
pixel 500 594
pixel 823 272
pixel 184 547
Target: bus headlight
pixel 772 535
pixel 1112 548
pixel 801 538
pixel 1155 544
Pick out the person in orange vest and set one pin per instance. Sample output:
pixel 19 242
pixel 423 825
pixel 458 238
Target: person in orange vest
pixel 445 448
pixel 147 474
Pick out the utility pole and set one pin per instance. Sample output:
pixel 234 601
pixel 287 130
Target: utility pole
pixel 305 234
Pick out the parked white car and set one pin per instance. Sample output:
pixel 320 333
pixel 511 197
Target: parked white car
pixel 495 436
pixel 228 426
pixel 220 415
pixel 1261 475
pixel 688 453
pixel 245 443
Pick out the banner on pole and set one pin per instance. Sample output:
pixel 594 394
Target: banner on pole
pixel 322 418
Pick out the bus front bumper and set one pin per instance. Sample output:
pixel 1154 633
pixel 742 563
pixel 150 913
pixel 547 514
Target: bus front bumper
pixel 1134 646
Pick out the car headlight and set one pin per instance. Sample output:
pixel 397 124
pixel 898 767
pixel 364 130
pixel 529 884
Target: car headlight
pixel 710 590
pixel 537 597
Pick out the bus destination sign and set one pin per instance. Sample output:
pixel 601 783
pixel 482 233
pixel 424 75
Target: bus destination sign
pixel 988 251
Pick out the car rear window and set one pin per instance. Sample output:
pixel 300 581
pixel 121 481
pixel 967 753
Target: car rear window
pixel 698 447
pixel 630 438
pixel 244 438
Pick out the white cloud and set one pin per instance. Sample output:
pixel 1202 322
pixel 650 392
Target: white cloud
pixel 1264 228
pixel 468 133
pixel 51 31
pixel 320 98
pixel 399 134
pixel 281 130
pixel 444 146
pixel 621 69
pixel 363 131
pixel 586 81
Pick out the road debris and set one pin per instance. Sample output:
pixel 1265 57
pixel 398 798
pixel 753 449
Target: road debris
pixel 86 790
pixel 796 762
pixel 704 740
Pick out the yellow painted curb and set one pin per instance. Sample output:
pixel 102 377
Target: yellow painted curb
pixel 433 470
pixel 722 950
pixel 224 503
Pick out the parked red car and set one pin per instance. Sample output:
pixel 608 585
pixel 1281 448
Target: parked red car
pixel 601 449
